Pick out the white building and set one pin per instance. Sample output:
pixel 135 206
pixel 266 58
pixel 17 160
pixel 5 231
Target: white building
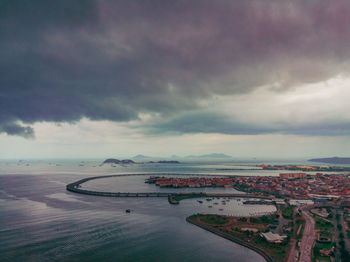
pixel 273 238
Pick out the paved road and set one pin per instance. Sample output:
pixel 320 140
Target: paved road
pixel 308 238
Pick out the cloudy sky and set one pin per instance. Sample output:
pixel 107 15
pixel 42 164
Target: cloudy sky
pixel 117 78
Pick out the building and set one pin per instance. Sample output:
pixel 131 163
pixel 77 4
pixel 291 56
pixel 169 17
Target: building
pixel 292 175
pixel 300 202
pixel 273 238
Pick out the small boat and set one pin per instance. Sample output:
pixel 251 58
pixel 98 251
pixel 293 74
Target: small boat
pixel 216 203
pixel 127 211
pixel 200 201
pixel 210 206
pixel 220 209
pixel 209 199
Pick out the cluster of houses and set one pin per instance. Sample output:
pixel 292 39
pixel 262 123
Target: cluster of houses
pixel 319 187
pixel 192 182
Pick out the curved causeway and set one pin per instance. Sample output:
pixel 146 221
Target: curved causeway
pixel 76 188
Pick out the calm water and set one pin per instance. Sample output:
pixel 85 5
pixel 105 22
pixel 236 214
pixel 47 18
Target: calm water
pixel 41 221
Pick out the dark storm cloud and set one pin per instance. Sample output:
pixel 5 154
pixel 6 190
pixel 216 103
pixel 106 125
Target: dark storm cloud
pixel 14 129
pixel 112 60
pixel 219 123
pixel 207 123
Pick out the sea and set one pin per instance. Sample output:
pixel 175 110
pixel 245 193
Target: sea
pixel 41 221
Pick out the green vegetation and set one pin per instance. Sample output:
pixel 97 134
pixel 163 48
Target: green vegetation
pixel 322 224
pixel 318 246
pixel 213 219
pixel 186 196
pixel 300 222
pixel 326 233
pixel 278 251
pixel 265 219
pixel 287 212
pixel 348 233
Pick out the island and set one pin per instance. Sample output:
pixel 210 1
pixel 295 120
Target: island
pixel 129 162
pixel 332 160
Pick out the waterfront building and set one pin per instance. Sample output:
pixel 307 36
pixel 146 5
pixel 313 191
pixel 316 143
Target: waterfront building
pixel 273 238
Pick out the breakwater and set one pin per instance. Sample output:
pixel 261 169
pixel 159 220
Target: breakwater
pixel 232 238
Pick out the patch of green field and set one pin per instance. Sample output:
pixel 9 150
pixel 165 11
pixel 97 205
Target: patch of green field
pixel 322 224
pixel 278 251
pixel 302 223
pixel 186 196
pixel 316 251
pixel 264 219
pixel 213 219
pixel 287 212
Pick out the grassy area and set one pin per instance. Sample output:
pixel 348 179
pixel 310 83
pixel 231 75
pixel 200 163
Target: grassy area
pixel 278 251
pixel 264 219
pixel 322 224
pixel 326 233
pixel 287 212
pixel 302 223
pixel 186 196
pixel 213 219
pixel 316 252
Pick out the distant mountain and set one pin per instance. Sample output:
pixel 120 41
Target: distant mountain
pixel 129 161
pixel 139 156
pixel 215 155
pixel 332 160
pixel 211 156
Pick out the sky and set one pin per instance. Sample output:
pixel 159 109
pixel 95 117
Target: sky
pixel 118 78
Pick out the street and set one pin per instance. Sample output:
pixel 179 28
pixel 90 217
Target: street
pixel 308 237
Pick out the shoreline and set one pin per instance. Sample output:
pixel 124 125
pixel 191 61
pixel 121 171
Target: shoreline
pixel 234 239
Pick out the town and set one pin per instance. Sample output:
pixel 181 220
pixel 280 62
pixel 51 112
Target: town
pixel 312 222
pixel 320 187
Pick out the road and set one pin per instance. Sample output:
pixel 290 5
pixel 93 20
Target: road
pixel 308 238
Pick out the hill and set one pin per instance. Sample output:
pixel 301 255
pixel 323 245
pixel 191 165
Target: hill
pixel 332 160
pixel 139 156
pixel 211 156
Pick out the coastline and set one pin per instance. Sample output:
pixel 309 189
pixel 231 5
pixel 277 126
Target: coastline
pixel 237 240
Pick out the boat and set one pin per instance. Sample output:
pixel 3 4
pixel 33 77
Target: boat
pixel 210 206
pixel 127 211
pixel 200 201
